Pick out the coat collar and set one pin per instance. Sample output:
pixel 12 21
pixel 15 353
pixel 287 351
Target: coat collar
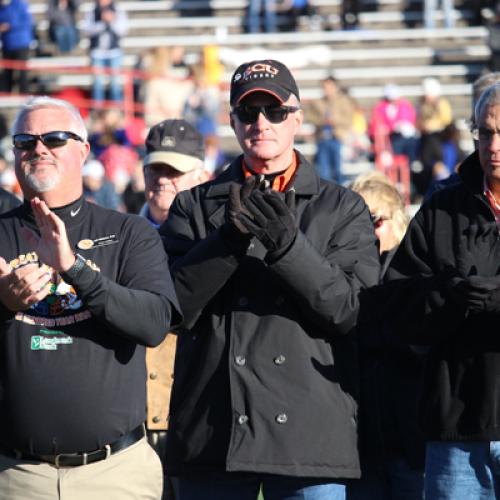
pixel 306 183
pixel 471 173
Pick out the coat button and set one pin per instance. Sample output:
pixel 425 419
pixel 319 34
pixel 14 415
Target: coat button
pixel 242 301
pixel 240 360
pixel 280 300
pixel 156 420
pixel 281 418
pixel 242 419
pixel 279 360
pixel 153 375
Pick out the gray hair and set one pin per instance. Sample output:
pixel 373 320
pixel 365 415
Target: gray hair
pixel 489 97
pixel 39 102
pixel 478 88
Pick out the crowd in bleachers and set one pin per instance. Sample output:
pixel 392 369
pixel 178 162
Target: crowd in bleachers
pixel 423 132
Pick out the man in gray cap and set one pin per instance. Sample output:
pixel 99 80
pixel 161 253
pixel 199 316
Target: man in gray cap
pixel 173 163
pixel 268 261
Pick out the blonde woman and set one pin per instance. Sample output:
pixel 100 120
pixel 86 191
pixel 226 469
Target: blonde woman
pixel 389 215
pixel 392 449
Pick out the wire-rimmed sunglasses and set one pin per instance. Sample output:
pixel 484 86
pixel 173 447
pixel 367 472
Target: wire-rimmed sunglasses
pixel 273 113
pixel 54 139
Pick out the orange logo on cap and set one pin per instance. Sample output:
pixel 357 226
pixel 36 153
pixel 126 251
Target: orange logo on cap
pixel 261 68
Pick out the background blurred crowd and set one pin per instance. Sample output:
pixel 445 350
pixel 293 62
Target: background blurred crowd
pixel 422 134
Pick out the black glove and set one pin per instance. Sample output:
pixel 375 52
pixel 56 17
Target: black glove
pixel 492 303
pixel 236 203
pixel 235 234
pixel 473 292
pixel 271 219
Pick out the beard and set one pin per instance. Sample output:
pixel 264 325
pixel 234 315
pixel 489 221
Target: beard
pixel 44 183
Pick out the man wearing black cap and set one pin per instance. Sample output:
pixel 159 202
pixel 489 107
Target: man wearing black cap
pixel 268 261
pixel 173 163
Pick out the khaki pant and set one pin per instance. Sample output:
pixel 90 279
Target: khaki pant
pixel 131 474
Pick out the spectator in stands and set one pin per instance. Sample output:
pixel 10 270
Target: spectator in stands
pixel 16 29
pixel 332 116
pixel 391 446
pixel 119 162
pixel 215 159
pixel 258 9
pixel 357 146
pixel 434 115
pixel 97 189
pixel 105 25
pixel 430 10
pixel 201 108
pixel 292 10
pixel 108 128
pixel 393 118
pixel 480 10
pixel 494 39
pixel 164 93
pixel 110 144
pixel 63 31
pixel 350 14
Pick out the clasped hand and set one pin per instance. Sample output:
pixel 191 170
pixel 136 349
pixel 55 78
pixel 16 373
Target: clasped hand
pixel 261 212
pixel 22 287
pixel 476 293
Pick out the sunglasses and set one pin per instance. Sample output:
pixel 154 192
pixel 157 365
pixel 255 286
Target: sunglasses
pixel 55 139
pixel 274 114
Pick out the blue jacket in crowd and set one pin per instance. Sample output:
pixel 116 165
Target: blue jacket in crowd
pixel 20 34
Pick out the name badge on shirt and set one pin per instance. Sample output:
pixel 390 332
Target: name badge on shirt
pixel 87 243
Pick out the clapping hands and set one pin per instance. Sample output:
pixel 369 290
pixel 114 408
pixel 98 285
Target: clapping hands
pixel 255 210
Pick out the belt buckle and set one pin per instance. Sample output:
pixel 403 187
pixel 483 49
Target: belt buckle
pixel 63 455
pixel 84 456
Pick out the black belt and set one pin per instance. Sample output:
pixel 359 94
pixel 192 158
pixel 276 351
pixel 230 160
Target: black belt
pixel 76 459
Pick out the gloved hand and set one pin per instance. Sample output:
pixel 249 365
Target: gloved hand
pixel 235 205
pixel 271 219
pixel 475 293
pixel 235 234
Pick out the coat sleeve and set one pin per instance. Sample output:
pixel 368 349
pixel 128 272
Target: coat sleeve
pixel 326 286
pixel 141 304
pixel 201 263
pixel 412 299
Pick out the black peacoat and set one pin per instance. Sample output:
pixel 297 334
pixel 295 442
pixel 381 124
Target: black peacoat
pixel 266 369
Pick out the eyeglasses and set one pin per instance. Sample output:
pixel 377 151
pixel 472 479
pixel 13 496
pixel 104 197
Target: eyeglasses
pixel 483 134
pixel 275 114
pixel 55 139
pixel 378 220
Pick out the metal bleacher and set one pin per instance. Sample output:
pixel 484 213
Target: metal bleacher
pixel 389 45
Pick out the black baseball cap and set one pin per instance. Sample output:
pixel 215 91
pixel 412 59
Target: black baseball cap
pixel 266 75
pixel 176 143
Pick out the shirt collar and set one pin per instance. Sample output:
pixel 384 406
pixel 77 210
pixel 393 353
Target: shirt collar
pixel 279 181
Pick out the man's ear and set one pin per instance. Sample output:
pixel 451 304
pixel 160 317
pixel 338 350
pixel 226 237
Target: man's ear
pixel 298 119
pixel 84 152
pixel 231 120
